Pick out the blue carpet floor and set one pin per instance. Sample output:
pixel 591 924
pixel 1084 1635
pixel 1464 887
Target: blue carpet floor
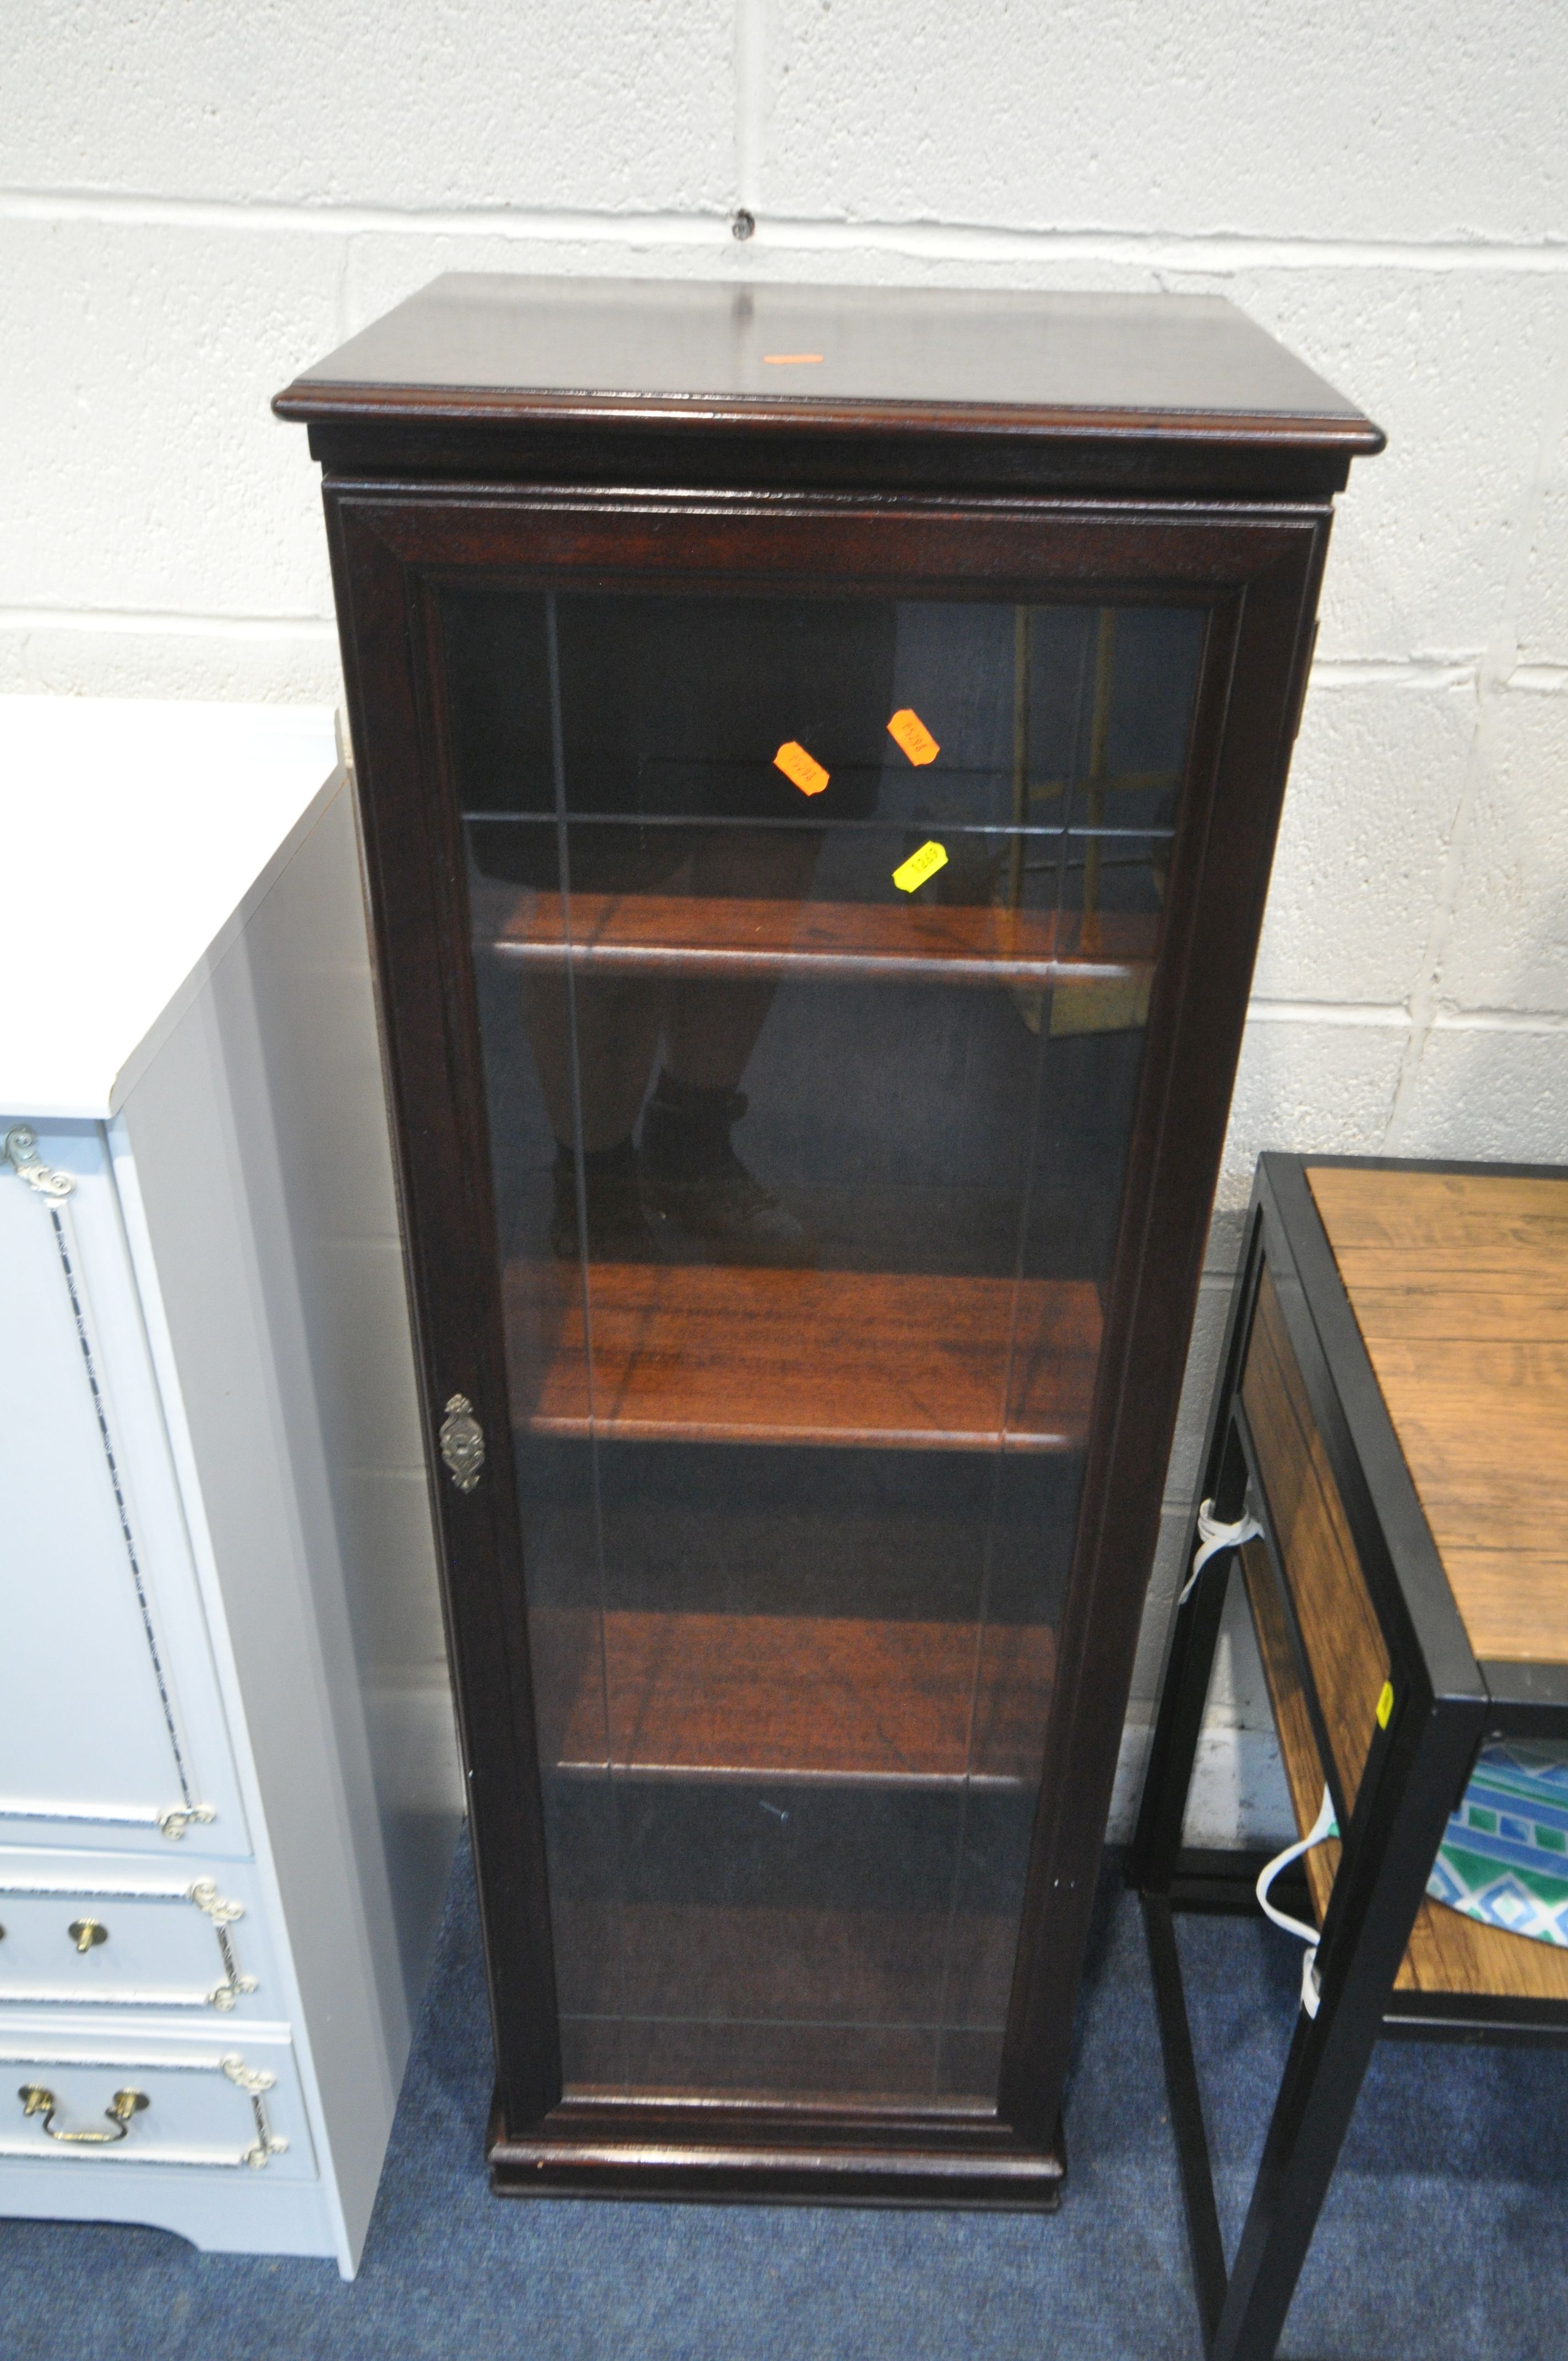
pixel 1444 2234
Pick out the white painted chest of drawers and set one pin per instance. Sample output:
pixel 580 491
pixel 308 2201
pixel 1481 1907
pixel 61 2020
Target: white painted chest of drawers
pixel 228 1783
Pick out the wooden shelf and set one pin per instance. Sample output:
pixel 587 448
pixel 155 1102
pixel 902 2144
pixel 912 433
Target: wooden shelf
pixel 1447 1952
pixel 741 1697
pixel 704 1354
pixel 861 942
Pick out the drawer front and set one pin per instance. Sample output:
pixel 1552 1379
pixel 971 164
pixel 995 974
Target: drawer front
pixel 111 2105
pixel 139 1938
pixel 1340 1631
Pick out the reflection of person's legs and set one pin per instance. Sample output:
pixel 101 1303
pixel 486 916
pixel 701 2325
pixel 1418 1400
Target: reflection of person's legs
pixel 711 1028
pixel 618 1037
pixel 691 1172
pixel 618 1033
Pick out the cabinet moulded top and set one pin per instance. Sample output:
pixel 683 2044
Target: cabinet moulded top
pixel 676 381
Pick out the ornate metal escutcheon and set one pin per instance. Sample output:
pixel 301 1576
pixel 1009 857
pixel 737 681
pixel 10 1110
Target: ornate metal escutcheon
pixel 223 1913
pixel 255 2081
pixel 462 1440
pixel 179 1816
pixel 20 1150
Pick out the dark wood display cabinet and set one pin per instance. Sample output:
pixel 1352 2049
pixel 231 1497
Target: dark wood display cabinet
pixel 820 754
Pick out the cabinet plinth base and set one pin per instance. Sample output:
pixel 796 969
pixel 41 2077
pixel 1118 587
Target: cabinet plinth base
pixel 775 2158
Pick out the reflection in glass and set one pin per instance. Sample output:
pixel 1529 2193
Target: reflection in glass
pixel 807 1188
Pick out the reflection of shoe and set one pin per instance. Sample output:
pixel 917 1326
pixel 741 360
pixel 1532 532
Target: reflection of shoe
pixel 739 1218
pixel 618 1226
pixel 691 1176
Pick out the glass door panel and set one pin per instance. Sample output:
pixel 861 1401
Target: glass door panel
pixel 814 942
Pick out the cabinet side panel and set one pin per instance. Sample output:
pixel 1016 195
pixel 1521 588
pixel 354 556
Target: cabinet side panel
pixel 310 965
pixel 259 1140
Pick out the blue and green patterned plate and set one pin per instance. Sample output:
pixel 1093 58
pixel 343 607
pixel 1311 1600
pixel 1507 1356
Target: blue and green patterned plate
pixel 1504 1859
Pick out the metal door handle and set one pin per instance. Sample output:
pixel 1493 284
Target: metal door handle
pixel 119 2112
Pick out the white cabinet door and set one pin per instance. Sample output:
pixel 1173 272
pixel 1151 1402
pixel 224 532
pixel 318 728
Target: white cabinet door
pixel 111 1726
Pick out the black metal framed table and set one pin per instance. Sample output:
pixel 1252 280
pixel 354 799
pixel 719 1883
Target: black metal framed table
pixel 1391 1416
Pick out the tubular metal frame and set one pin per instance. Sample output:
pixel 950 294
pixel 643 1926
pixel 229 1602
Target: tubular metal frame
pixel 1446 1704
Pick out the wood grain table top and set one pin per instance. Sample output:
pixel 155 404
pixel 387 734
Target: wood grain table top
pixel 1459 1283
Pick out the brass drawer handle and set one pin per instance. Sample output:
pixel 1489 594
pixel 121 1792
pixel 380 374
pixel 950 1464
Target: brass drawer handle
pixel 119 2112
pixel 86 1932
pixel 462 1440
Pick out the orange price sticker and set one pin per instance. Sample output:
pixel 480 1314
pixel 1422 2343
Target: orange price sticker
pixel 920 865
pixel 790 360
pixel 801 769
pixel 910 735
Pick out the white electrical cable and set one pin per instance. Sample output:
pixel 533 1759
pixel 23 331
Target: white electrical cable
pixel 1215 1538
pixel 1325 1824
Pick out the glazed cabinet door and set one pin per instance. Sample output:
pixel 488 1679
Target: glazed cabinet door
pixel 814 940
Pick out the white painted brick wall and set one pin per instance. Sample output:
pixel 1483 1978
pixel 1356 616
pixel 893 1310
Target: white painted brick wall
pixel 195 200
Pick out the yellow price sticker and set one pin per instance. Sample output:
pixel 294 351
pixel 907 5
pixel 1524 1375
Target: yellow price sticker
pixel 919 866
pixel 801 769
pixel 1384 1704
